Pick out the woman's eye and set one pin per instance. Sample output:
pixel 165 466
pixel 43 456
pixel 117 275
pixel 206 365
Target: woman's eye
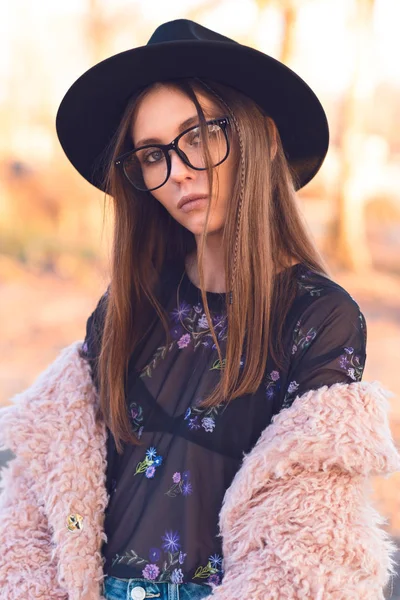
pixel 195 138
pixel 152 157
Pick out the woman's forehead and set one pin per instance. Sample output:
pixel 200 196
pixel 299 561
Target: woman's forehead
pixel 163 110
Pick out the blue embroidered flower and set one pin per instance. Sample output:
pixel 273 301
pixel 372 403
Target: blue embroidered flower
pixel 171 541
pixel 349 350
pixel 188 413
pixel 154 554
pixel 185 475
pixel 194 423
pixel 151 453
pixel 157 461
pixel 177 576
pixel 270 393
pixel 215 560
pixel 187 488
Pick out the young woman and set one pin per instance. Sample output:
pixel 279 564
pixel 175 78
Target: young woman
pixel 214 416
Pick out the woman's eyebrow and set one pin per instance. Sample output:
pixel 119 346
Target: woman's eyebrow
pixel 190 121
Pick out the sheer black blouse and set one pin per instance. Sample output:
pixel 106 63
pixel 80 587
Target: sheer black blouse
pixel 165 495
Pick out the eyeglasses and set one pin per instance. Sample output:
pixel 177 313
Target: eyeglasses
pixel 149 167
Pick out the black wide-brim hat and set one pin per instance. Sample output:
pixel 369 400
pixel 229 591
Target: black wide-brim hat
pixel 92 108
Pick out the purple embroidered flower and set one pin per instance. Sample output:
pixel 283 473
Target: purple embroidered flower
pixel 187 488
pixel 154 554
pixel 188 413
pixel 150 472
pixel 176 477
pixel 343 361
pixel 184 341
pixel 177 576
pixel 213 579
pixel 194 423
pixel 178 314
pixel 274 375
pixel 215 560
pixel 185 475
pixel 157 461
pixel 134 412
pixel 349 350
pixel 182 556
pixel 150 571
pixel 171 541
pixel 208 424
pixel 151 453
pixel 293 385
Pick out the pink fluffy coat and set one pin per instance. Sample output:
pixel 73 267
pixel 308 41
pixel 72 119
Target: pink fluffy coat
pixel 297 521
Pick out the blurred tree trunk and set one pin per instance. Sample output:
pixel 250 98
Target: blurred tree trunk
pixel 347 241
pixel 289 9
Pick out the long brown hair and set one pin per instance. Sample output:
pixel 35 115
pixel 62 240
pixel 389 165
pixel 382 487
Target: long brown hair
pixel 264 233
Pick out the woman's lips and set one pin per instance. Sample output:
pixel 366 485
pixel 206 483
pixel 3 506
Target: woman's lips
pixel 193 204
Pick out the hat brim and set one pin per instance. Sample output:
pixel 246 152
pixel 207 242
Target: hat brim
pixel 92 108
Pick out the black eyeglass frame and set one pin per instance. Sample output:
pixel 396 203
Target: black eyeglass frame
pixel 223 122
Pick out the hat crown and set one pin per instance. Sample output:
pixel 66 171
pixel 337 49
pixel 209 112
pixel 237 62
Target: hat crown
pixel 185 29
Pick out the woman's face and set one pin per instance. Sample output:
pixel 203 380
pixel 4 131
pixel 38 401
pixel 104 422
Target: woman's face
pixel 159 116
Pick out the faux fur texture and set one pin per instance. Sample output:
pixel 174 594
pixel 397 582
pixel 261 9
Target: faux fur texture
pixel 297 522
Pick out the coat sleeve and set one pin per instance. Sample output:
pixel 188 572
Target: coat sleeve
pixel 298 520
pixel 27 567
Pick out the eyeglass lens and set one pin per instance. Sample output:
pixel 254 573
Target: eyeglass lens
pixel 147 168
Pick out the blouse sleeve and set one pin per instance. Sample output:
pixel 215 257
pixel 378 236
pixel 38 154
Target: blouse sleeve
pixel 92 343
pixel 328 345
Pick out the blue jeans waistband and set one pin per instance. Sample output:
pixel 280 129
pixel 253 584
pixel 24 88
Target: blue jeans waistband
pixel 115 588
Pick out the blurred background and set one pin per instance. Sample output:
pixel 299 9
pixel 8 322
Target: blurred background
pixel 54 243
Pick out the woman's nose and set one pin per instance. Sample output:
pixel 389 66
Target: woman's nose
pixel 179 170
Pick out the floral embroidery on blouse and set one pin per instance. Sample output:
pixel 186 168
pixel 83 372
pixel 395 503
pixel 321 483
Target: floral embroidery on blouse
pixel 136 415
pixel 149 464
pixel 181 485
pixel 195 321
pixel 351 363
pixel 312 289
pixel 301 339
pixel 163 566
pixel 291 390
pixel 195 420
pixel 212 572
pixel 272 384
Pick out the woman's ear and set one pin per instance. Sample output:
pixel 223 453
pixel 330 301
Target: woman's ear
pixel 272 132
